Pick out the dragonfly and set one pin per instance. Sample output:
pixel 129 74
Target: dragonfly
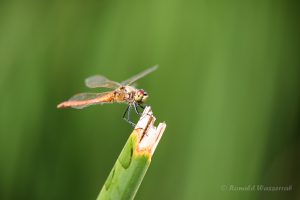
pixel 124 92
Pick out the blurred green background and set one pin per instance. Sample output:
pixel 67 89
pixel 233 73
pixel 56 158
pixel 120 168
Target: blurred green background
pixel 227 87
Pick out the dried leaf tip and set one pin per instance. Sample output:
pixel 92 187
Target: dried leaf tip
pixel 149 135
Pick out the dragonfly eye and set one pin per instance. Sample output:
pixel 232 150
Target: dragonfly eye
pixel 145 97
pixel 140 96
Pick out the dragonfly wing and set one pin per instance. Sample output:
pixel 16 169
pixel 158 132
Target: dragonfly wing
pixel 139 75
pixel 82 100
pixel 100 81
pixel 86 96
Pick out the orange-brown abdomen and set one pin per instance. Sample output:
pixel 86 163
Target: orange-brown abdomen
pixel 107 98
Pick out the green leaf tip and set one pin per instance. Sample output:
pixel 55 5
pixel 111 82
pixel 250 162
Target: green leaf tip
pixel 134 159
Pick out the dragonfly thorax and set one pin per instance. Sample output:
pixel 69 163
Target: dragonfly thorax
pixel 130 94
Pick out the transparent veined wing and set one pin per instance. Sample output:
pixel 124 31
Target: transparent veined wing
pixel 86 96
pixel 139 75
pixel 97 81
pixel 82 100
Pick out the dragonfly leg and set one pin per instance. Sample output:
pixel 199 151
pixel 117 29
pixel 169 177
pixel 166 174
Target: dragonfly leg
pixel 128 109
pixel 128 113
pixel 125 112
pixel 135 106
pixel 143 107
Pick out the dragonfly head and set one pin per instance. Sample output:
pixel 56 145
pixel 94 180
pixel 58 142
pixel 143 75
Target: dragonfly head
pixel 140 96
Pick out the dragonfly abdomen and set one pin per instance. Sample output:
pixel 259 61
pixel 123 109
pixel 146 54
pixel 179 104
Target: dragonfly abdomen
pixel 107 98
